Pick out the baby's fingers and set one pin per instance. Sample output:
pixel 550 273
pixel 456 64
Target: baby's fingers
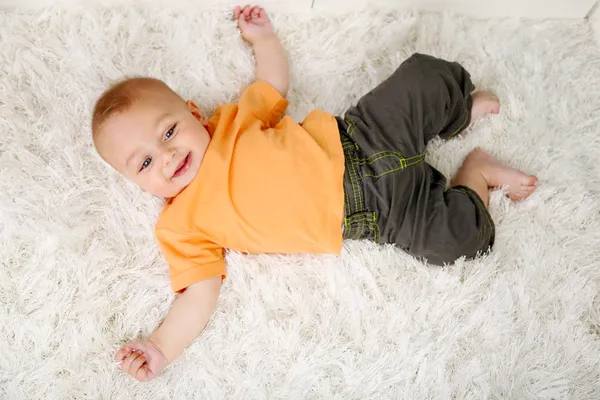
pixel 122 353
pixel 135 365
pixel 144 374
pixel 246 11
pixel 129 360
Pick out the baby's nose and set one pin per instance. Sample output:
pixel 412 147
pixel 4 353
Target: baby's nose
pixel 168 156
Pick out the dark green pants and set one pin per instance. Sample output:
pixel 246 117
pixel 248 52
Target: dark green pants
pixel 391 194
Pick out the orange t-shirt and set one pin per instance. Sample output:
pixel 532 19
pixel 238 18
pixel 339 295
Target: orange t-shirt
pixel 266 185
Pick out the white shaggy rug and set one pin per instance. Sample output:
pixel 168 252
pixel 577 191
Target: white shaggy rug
pixel 80 272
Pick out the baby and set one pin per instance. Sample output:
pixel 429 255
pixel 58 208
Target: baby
pixel 252 179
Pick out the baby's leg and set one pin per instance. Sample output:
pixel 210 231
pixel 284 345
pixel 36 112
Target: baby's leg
pixel 424 98
pixel 452 223
pixel 443 91
pixel 483 103
pixel 481 171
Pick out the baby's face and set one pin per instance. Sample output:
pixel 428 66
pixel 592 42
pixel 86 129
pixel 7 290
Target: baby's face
pixel 158 143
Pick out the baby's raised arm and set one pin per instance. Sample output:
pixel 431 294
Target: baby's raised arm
pixel 271 60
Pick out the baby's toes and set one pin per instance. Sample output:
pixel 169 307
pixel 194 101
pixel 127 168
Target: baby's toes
pixel 527 190
pixel 523 192
pixel 495 109
pixel 515 196
pixel 494 105
pixel 531 180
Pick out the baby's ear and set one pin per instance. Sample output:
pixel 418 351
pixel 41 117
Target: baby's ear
pixel 196 112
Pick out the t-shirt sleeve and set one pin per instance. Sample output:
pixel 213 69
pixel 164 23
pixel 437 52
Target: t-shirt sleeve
pixel 264 102
pixel 190 259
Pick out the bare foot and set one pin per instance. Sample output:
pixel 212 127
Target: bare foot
pixel 484 103
pixel 520 185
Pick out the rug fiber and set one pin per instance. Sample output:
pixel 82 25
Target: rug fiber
pixel 81 274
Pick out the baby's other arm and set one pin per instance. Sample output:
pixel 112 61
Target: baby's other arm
pixel 271 60
pixel 186 319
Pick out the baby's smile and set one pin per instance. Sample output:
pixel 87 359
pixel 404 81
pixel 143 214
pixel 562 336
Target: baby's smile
pixel 183 166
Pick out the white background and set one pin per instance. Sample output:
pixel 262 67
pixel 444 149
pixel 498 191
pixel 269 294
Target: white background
pixel 479 8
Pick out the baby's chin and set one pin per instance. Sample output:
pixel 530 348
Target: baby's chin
pixel 172 190
pixel 168 193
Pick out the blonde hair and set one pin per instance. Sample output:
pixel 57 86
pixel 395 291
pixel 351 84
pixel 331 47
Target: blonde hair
pixel 120 97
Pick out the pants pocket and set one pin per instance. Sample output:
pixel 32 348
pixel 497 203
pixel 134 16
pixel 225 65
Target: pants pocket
pixel 362 225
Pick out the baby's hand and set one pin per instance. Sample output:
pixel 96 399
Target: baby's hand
pixel 142 360
pixel 254 23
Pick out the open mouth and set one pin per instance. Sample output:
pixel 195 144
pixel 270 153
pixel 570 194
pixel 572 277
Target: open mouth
pixel 183 166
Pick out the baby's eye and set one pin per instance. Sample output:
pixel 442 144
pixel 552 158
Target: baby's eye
pixel 170 132
pixel 146 163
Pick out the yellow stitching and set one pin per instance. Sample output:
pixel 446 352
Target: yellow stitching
pixel 403 165
pixel 360 193
pixel 383 174
pixel 366 161
pixel 379 153
pixel 375 229
pixel 359 223
pixel 350 205
pixel 358 218
pixel 349 129
pixel 354 187
pixel 359 228
pixel 357 192
pixel 374 157
pixel 391 152
pixel 351 124
pixel 356 232
pixel 461 127
pixel 376 232
pixel 346 201
pixel 352 173
pixel 402 160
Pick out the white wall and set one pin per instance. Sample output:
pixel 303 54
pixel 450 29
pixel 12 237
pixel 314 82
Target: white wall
pixel 478 8
pixel 595 20
pixel 484 8
pixel 271 4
